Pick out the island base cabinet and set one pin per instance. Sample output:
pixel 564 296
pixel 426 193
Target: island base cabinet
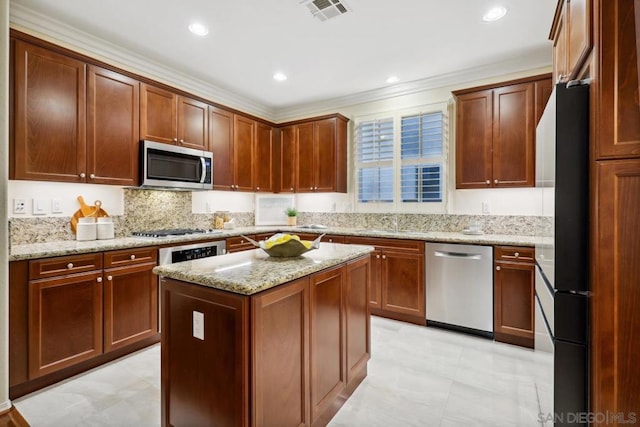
pixel 288 356
pixel 204 369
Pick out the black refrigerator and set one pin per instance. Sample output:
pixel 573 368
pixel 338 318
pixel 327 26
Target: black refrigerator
pixel 562 251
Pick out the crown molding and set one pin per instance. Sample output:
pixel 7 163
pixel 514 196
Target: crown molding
pixel 531 60
pixel 37 24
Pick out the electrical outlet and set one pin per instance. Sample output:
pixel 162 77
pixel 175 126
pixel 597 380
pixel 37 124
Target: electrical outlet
pixel 39 206
pixel 198 325
pixel 208 207
pixel 56 206
pixel 19 206
pixel 485 207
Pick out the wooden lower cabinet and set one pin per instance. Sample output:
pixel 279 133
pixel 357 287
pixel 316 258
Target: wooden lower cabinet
pixel 237 244
pixel 288 356
pixel 513 295
pixel 130 305
pixel 65 321
pixel 397 278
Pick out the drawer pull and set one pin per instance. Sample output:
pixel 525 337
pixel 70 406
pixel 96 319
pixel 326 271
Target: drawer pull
pixel 384 257
pixel 109 278
pixel 517 254
pixel 498 268
pixel 133 257
pixel 70 265
pixel 378 256
pixel 488 182
pixel 99 280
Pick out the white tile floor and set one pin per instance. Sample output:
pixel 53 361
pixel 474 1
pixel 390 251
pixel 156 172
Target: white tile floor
pixel 417 377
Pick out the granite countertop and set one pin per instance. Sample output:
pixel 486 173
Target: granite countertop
pixel 72 247
pixel 253 271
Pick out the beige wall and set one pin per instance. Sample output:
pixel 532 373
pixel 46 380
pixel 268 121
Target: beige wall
pixel 5 403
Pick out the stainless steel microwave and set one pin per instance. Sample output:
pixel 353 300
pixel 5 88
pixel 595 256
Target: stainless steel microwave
pixel 172 167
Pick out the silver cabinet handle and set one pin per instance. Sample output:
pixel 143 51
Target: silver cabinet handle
pixel 330 240
pixel 517 254
pixel 181 141
pixel 488 182
pixel 70 265
pixel 498 268
pixel 310 188
pixel 82 175
pixel 495 181
pixel 92 176
pixel 175 139
pixel 133 257
pixel 109 278
pixel 99 280
pixel 384 257
pixel 378 256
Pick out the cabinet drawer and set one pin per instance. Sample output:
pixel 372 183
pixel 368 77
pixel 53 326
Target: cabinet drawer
pixel 129 257
pixel 60 266
pixel 415 246
pixel 514 253
pixel 238 243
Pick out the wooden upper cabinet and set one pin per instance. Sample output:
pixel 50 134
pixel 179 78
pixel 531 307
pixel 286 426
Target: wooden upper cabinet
pixel 474 133
pixel 571 34
pixel 495 133
pixel 243 152
pixel 618 131
pixel 221 144
pixel 543 89
pixel 49 134
pixel 158 114
pixel 325 168
pixel 514 136
pixel 192 123
pixel 264 151
pixel 287 152
pixel 112 127
pixel 305 153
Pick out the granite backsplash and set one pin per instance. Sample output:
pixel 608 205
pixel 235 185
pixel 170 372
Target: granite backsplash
pixel 152 209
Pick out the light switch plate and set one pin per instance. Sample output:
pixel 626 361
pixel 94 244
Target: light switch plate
pixel 39 206
pixel 198 325
pixel 485 207
pixel 56 206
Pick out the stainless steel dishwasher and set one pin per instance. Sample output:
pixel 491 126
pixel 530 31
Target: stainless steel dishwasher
pixel 459 287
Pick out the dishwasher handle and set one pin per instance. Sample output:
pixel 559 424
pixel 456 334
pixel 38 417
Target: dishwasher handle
pixel 456 255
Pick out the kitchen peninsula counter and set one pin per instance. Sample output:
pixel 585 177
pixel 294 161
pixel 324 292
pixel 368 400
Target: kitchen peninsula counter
pixel 249 340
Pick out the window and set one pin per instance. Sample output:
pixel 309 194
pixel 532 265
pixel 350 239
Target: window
pixel 400 160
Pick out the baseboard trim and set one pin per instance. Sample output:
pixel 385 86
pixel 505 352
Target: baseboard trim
pixel 12 418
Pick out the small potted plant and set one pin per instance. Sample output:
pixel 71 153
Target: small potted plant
pixel 292 214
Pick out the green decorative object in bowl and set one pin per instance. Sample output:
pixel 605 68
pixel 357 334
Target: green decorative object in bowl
pixel 286 245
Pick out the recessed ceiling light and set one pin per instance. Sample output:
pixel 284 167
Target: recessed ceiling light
pixel 199 29
pixel 494 14
pixel 280 77
pixel 392 79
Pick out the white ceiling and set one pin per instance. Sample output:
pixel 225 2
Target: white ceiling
pixel 249 40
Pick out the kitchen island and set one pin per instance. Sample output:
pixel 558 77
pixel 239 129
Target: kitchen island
pixel 252 340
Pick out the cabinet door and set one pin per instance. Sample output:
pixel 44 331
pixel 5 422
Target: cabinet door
pixel 358 274
pixel 618 124
pixel 221 144
pixel 514 136
pixel 112 127
pixel 130 305
pixel 513 294
pixel 474 133
pixel 543 89
pixel 615 286
pixel 65 321
pixel 281 372
pixel 243 153
pixel 157 114
pixel 579 34
pixel 305 154
pixel 560 49
pixel 287 159
pixel 328 377
pixel 403 283
pixel 264 158
pixel 193 124
pixel 325 164
pixel 49 141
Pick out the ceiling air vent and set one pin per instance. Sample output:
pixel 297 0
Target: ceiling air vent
pixel 326 9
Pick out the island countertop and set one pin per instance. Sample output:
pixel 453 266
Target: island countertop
pixel 253 271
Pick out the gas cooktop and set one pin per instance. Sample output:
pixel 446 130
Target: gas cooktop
pixel 173 232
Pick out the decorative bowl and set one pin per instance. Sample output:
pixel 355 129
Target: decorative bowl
pixel 286 245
